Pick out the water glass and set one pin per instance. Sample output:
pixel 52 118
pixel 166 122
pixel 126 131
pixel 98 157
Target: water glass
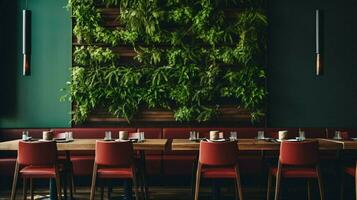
pixel 141 136
pixel 302 135
pixel 197 135
pixel 233 136
pixel 108 135
pixel 192 135
pixel 25 135
pixel 260 135
pixel 70 135
pixel 337 135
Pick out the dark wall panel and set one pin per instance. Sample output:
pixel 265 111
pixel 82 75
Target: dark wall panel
pixel 33 101
pixel 298 98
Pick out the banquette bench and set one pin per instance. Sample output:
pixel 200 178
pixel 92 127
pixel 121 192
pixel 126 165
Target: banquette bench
pixel 167 163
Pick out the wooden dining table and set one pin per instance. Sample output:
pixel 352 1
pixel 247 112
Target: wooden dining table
pixel 345 144
pixel 89 144
pixel 252 144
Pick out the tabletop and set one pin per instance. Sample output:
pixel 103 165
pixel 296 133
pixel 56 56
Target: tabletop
pixel 251 144
pixel 346 144
pixel 89 144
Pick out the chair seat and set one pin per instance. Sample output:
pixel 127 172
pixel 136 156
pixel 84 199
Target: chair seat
pixel 38 172
pixel 218 172
pixel 115 173
pixel 351 171
pixel 305 172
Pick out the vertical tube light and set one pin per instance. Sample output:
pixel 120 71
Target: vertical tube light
pixel 26 42
pixel 318 55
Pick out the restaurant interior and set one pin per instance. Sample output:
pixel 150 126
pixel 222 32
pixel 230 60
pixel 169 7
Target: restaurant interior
pixel 178 99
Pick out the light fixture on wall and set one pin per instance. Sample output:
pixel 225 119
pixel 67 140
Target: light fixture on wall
pixel 318 50
pixel 26 41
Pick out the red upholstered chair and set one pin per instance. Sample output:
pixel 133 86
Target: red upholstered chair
pixel 36 160
pixel 297 160
pixel 114 160
pixel 218 160
pixel 352 171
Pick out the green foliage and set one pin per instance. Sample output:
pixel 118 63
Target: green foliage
pixel 181 46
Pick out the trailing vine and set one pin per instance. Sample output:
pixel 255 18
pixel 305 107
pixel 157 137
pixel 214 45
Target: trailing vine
pixel 180 47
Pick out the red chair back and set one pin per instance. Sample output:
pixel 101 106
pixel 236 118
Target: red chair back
pixel 114 153
pixel 37 153
pixel 218 153
pixel 299 153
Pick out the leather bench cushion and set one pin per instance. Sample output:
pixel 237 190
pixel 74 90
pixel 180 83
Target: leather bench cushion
pixel 152 133
pixel 7 166
pixel 177 133
pixel 94 133
pixel 178 164
pixel 250 164
pixel 82 165
pixel 350 132
pixel 153 164
pixel 273 132
pixel 12 134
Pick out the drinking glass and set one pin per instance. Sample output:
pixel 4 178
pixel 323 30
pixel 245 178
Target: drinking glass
pixel 260 135
pixel 302 135
pixel 141 136
pixel 70 135
pixel 233 136
pixel 337 135
pixel 25 135
pixel 108 135
pixel 192 135
pixel 197 135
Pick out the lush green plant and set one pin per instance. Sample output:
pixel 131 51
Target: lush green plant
pixel 181 46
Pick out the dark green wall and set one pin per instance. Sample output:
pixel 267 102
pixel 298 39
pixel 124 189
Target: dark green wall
pixel 33 101
pixel 298 98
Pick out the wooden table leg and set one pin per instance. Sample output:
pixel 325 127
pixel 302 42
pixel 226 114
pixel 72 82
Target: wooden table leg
pixel 144 175
pixel 193 180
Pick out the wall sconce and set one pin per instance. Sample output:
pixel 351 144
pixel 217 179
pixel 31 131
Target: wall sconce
pixel 26 42
pixel 318 53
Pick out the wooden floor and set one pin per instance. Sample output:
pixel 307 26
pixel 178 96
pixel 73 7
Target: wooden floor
pixel 164 190
pixel 156 193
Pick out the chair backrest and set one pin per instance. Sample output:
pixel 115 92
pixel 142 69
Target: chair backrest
pixel 299 153
pixel 114 153
pixel 218 153
pixel 37 153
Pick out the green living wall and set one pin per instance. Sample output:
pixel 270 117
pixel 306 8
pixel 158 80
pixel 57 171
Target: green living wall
pixel 191 57
pixel 33 101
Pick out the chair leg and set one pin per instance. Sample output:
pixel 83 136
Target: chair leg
pixel 308 189
pixel 109 191
pixel 342 175
pixel 24 188
pixel 70 182
pixel 277 184
pixel 238 180
pixel 94 179
pixel 14 182
pixel 31 188
pixel 319 179
pixel 356 180
pixel 135 184
pixel 101 182
pixel 58 184
pixel 269 185
pixel 198 179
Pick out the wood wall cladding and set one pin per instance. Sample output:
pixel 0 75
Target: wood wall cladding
pixel 228 114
